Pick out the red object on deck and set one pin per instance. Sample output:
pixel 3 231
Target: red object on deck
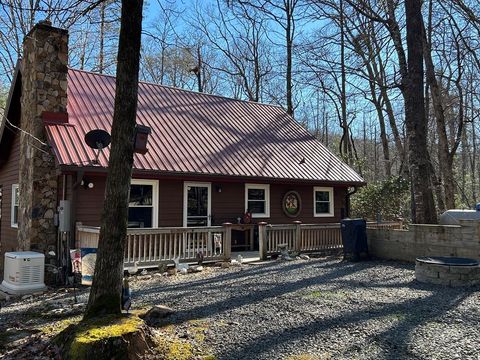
pixel 197 133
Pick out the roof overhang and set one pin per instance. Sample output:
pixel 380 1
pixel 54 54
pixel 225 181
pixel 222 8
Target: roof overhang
pixel 6 111
pixel 13 97
pixel 169 175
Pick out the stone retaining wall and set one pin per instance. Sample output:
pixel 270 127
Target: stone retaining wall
pixel 426 240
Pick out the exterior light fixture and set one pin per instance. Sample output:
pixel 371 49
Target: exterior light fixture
pixel 87 184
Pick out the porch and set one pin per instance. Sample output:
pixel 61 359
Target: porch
pixel 150 246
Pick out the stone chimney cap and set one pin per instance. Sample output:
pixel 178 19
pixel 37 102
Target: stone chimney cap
pixel 46 21
pixel 47 26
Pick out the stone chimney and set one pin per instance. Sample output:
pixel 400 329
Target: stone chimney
pixel 44 91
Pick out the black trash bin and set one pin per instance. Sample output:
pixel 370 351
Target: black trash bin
pixel 354 239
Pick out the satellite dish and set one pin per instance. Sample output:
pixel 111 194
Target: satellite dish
pixel 98 140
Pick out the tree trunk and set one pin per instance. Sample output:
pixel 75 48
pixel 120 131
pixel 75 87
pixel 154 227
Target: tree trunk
pixel 101 51
pixel 105 294
pixel 424 211
pixel 392 121
pixel 445 164
pixel 289 42
pixel 345 145
pixel 373 79
pixel 199 69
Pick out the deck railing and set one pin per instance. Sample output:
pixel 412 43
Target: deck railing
pixel 307 238
pixel 149 247
pixel 298 237
pixel 320 237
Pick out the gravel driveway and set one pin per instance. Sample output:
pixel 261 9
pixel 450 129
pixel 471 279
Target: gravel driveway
pixel 325 308
pixel 307 310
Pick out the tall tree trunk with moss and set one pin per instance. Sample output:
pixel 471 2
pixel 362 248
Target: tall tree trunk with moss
pixel 105 294
pixel 424 210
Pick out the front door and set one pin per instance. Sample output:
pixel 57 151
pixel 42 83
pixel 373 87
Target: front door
pixel 197 204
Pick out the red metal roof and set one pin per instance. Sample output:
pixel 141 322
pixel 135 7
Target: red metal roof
pixel 196 133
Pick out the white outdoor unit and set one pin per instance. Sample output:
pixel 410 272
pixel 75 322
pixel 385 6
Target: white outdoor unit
pixel 23 272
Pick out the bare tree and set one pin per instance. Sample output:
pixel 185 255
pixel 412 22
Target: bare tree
pixel 105 294
pixel 424 207
pixel 238 35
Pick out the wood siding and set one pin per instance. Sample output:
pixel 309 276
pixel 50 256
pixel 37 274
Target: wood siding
pixel 227 205
pixel 88 203
pixel 8 177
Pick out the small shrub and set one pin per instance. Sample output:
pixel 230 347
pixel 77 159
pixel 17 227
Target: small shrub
pixel 388 199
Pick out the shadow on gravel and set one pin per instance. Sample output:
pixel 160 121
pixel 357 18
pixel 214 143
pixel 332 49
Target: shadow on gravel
pixel 394 341
pixel 275 289
pixel 399 334
pixel 219 280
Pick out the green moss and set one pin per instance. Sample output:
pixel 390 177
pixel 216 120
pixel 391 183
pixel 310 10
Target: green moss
pixel 90 331
pixel 174 349
pixel 171 347
pixel 326 294
pixel 198 328
pixel 396 317
pixel 58 326
pixel 325 356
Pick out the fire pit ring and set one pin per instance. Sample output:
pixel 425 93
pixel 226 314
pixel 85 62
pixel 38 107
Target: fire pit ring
pixel 447 270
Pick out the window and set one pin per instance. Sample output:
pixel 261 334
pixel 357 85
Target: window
pixel 322 201
pixel 15 200
pixel 143 204
pixel 257 200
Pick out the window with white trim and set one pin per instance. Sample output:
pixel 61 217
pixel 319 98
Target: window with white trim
pixel 322 201
pixel 143 204
pixel 257 200
pixel 15 201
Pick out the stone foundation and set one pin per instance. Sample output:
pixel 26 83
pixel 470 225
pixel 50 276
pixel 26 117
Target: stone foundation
pixel 449 275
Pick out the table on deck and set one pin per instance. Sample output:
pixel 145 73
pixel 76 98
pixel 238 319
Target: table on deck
pixel 248 230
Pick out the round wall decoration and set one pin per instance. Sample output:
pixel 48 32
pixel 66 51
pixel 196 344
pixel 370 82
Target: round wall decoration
pixel 292 204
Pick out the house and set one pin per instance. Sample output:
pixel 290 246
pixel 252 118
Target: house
pixel 210 158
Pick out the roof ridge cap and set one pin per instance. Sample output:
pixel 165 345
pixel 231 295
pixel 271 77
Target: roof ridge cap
pixel 185 90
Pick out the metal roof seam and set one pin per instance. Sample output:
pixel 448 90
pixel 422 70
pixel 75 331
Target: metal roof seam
pixel 198 133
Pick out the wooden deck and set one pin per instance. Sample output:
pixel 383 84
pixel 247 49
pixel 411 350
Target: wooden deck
pixel 148 247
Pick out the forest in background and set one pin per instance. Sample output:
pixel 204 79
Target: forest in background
pixel 339 67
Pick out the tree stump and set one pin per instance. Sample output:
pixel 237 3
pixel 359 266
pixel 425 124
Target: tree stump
pixel 121 337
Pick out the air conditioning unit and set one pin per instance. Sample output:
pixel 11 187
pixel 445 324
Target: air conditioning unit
pixel 23 273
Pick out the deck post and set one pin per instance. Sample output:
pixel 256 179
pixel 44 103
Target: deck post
pixel 227 251
pixel 262 239
pixel 77 234
pixel 298 236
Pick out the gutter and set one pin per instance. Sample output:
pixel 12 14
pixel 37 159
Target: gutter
pixel 157 174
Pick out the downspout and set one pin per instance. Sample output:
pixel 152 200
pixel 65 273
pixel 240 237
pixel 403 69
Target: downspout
pixel 80 174
pixel 73 208
pixel 64 187
pixel 59 237
pixel 347 200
